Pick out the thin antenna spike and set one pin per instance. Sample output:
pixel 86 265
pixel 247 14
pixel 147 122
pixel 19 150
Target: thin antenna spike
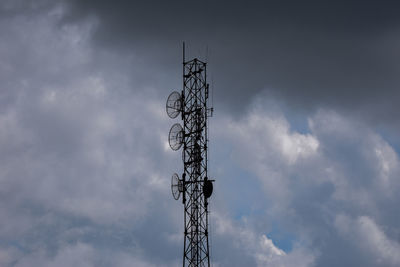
pixel 183 47
pixel 212 94
pixel 207 53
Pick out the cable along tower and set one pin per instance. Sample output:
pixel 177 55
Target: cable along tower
pixel 194 184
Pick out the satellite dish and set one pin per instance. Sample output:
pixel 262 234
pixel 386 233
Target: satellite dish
pixel 176 186
pixel 174 104
pixel 207 188
pixel 175 137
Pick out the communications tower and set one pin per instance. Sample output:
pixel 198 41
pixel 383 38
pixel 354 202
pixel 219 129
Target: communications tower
pixel 194 183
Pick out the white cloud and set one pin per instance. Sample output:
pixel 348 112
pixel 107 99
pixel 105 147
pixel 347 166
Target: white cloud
pixel 85 168
pixel 80 149
pixel 365 234
pixel 82 255
pixel 259 134
pixel 76 255
pixel 340 166
pixel 264 144
pixel 258 246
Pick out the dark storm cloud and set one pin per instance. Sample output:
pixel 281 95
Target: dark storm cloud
pixel 341 54
pixel 85 164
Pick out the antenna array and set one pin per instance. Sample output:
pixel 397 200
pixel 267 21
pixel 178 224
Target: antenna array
pixel 194 185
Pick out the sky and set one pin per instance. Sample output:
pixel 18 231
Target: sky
pixel 304 144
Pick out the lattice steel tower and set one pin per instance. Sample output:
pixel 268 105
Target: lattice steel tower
pixel 194 184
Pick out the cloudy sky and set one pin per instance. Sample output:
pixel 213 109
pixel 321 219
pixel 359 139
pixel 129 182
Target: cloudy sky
pixel 304 141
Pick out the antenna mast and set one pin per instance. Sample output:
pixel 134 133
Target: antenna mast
pixel 195 185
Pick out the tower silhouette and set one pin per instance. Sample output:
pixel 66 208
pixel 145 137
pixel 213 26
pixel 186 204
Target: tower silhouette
pixel 194 184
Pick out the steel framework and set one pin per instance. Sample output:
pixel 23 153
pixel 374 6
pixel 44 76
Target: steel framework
pixel 194 185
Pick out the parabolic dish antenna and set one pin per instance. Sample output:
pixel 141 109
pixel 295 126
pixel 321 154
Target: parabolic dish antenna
pixel 175 137
pixel 207 188
pixel 174 104
pixel 176 186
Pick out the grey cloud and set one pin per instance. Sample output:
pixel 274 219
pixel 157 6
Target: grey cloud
pixel 341 54
pixel 84 167
pixel 340 168
pixel 79 153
